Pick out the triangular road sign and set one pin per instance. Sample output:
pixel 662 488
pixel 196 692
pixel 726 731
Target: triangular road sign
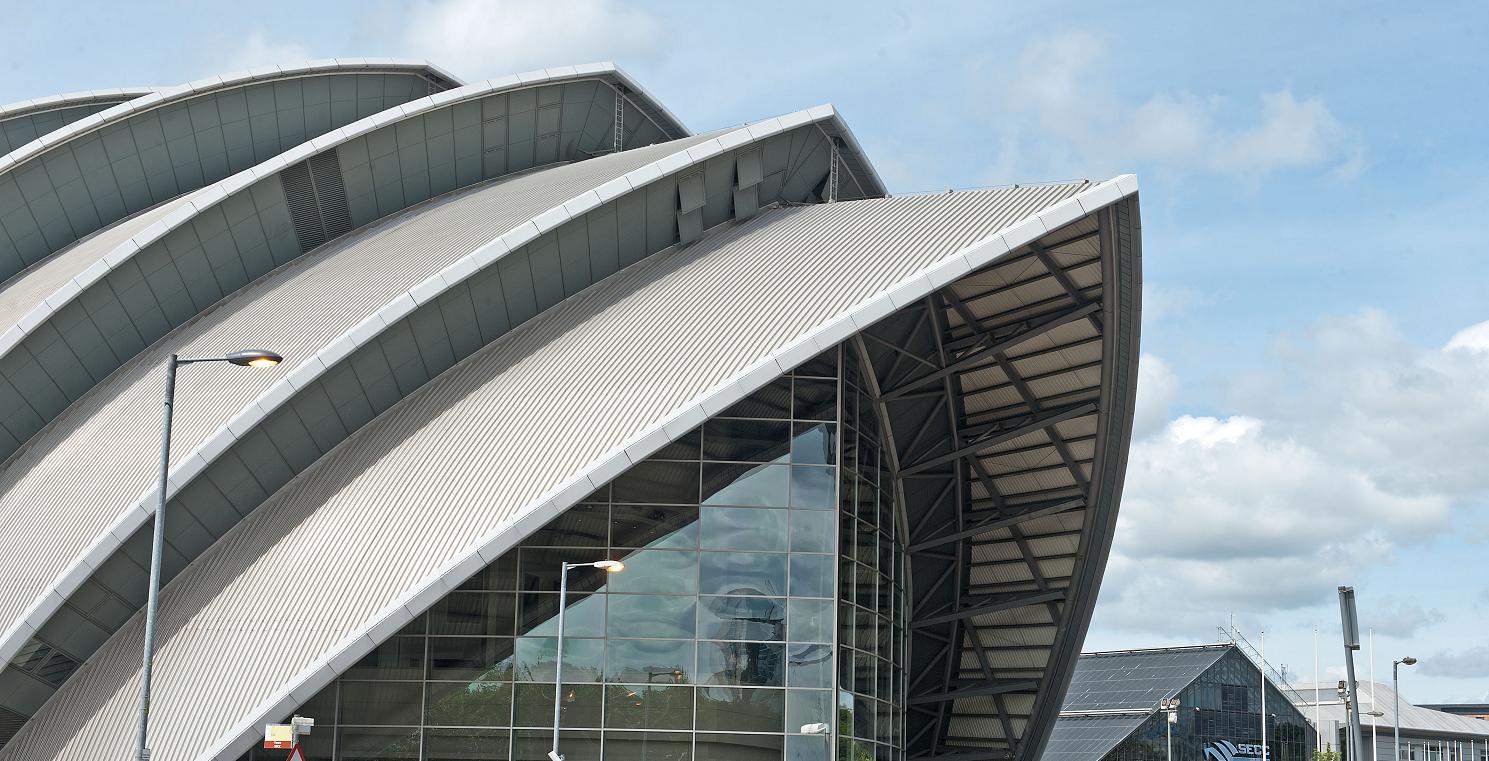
pixel 296 754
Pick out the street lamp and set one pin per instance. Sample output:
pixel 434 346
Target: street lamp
pixel 1171 707
pixel 1396 690
pixel 609 566
pixel 242 358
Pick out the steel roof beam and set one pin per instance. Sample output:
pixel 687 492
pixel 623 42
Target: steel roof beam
pixel 998 687
pixel 1000 521
pixel 1009 603
pixel 996 436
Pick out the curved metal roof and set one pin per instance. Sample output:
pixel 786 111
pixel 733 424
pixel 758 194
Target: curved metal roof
pixel 535 210
pixel 74 180
pixel 89 308
pixel 412 489
pixel 27 120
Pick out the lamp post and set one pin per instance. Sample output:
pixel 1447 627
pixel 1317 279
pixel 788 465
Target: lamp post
pixel 1170 706
pixel 610 566
pixel 1396 691
pixel 243 358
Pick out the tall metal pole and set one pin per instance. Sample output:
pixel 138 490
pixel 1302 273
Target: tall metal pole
pixel 157 547
pixel 1169 725
pixel 1396 712
pixel 1318 724
pixel 558 667
pixel 1351 629
pixel 1263 669
pixel 1374 732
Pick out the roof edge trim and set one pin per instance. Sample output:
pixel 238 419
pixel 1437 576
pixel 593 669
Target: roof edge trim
pixel 68 100
pixel 156 97
pixel 538 512
pixel 366 331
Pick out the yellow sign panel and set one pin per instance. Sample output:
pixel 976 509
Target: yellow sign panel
pixel 279 736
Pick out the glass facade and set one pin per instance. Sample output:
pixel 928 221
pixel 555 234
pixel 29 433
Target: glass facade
pixel 1223 705
pixel 754 562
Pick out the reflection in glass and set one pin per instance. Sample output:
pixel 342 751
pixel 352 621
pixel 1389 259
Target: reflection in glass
pixel 658 572
pixel 746 440
pixel 744 528
pixel 398 658
pixel 746 485
pixel 742 573
pixel 651 616
pixel 807 707
pixel 772 401
pixel 583 659
pixel 742 709
pixel 809 665
pixel 654 526
pixel 810 620
pixel 649 746
pixel 471 658
pixel 658 481
pixel 807 747
pixel 654 706
pixel 741 618
pixel 814 444
pixel 466 744
pixel 457 704
pixel 381 703
pixel 757 664
pixel 815 399
pixel 813 487
pixel 473 613
pixel 578 707
pixel 585 616
pixel 811 575
pixel 533 744
pixel 645 661
pixel 812 530
pixel 538 569
pixel 578 526
pixel 377 743
pixel 718 747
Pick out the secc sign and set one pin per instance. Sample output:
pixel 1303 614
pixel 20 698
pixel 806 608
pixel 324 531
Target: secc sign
pixel 1225 750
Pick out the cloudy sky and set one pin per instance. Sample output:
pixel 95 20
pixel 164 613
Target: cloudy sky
pixel 1315 378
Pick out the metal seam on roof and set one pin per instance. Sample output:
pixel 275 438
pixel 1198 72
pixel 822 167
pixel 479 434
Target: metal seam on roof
pixel 284 390
pixel 548 505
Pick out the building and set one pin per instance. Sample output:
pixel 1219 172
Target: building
pixel 1471 710
pixel 1111 712
pixel 1427 734
pixel 860 454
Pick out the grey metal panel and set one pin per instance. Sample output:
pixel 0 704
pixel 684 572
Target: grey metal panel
pixel 125 158
pixel 416 489
pixel 1136 680
pixel 1380 697
pixel 299 308
pixel 22 122
pixel 1089 738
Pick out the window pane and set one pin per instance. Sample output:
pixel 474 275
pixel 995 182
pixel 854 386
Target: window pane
pixel 742 573
pixel 658 572
pixel 815 399
pixel 813 530
pixel 807 707
pixel 579 706
pixel 398 658
pixel 648 746
pixel 473 613
pixel 810 620
pixel 741 618
pixel 501 575
pixel 742 709
pixel 585 616
pixel 536 655
pixel 824 365
pixel 457 704
pixel 746 440
pixel 714 747
pixel 381 703
pixel 812 487
pixel 471 658
pixel 806 747
pixel 809 666
pixel 467 744
pixel 533 744
pixel 744 663
pixel 641 706
pixel 814 444
pixel 811 575
pixel 773 401
pixel 647 661
pixel 744 528
pixel 377 743
pixel 654 526
pixel 745 485
pixel 650 616
pixel 685 447
pixel 658 481
pixel 578 526
pixel 540 569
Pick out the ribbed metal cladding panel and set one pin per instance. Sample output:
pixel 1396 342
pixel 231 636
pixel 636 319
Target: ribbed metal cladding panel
pixel 416 487
pixel 91 468
pixel 27 290
pixel 330 194
pixel 299 192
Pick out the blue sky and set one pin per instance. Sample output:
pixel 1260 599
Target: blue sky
pixel 1314 403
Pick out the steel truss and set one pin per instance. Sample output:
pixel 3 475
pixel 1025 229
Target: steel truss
pixel 985 391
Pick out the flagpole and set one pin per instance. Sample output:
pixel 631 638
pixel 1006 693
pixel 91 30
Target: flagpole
pixel 1265 754
pixel 1374 744
pixel 1318 724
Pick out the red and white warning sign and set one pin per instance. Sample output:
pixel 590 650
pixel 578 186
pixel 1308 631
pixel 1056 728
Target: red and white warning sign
pixel 280 737
pixel 295 754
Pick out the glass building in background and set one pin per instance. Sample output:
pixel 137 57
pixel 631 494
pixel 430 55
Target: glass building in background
pixel 1112 711
pixel 762 593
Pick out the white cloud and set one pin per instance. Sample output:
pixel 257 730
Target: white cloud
pixel 1470 663
pixel 1058 86
pixel 258 50
pixel 1397 617
pixel 1360 444
pixel 487 38
pixel 1471 338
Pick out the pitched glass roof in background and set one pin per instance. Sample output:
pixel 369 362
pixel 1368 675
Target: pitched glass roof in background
pixel 1089 737
pixel 1136 680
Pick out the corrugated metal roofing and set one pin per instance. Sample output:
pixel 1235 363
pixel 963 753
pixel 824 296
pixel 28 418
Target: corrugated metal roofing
pixel 416 487
pixel 1089 738
pixel 1413 717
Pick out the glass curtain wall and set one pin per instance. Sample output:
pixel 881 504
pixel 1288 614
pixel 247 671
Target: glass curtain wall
pixel 716 643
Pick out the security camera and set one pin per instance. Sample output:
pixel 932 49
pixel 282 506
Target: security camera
pixel 814 729
pixel 302 724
